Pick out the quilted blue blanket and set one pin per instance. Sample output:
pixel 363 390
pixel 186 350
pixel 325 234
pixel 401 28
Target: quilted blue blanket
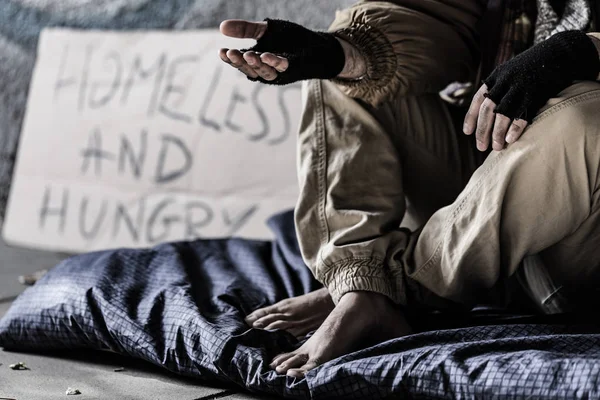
pixel 182 306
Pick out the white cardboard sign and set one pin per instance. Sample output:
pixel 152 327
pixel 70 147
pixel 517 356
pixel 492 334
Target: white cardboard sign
pixel 132 139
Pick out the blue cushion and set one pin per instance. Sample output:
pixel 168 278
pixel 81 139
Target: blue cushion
pixel 182 305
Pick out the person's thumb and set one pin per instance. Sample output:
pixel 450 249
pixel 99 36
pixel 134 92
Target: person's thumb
pixel 242 29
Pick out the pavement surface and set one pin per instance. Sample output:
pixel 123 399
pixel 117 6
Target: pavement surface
pixel 93 374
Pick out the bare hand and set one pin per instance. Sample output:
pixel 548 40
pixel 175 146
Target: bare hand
pixel 489 126
pixel 253 64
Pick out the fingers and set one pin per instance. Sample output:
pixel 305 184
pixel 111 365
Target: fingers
pixel 242 29
pixel 516 130
pixel 473 113
pixel 223 56
pixel 251 64
pixel 485 124
pixel 263 70
pixel 501 125
pixel 488 125
pixel 279 63
pixel 236 59
pixel 505 131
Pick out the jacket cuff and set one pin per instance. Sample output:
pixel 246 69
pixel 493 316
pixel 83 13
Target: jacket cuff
pixel 379 82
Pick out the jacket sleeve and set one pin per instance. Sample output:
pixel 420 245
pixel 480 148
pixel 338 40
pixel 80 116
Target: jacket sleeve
pixel 411 46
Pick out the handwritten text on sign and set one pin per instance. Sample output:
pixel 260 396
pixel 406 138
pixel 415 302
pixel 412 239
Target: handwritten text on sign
pixel 131 139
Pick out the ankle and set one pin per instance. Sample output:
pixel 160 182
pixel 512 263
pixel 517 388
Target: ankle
pixel 356 65
pixel 363 297
pixel 320 297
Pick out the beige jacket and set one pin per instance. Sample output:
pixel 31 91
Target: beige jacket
pixel 406 40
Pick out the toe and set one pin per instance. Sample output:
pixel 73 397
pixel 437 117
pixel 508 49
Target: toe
pixel 280 359
pixel 301 372
pixel 258 314
pixel 296 372
pixel 281 324
pixel 296 361
pixel 269 319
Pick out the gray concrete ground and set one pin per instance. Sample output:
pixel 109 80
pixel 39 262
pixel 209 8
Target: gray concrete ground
pixel 17 261
pixel 93 373
pixel 50 376
pixel 4 306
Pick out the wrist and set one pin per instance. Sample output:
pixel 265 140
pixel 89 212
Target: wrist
pixel 355 66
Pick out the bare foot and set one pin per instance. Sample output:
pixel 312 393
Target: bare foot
pixel 298 315
pixel 360 318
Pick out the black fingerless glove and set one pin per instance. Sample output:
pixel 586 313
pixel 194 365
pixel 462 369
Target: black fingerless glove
pixel 521 86
pixel 311 55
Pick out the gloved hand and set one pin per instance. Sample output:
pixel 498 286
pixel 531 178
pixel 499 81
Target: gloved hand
pixel 288 53
pixel 519 88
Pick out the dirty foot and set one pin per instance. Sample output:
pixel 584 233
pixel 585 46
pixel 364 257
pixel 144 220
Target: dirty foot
pixel 298 315
pixel 359 319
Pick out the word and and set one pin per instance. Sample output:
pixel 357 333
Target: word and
pixel 174 157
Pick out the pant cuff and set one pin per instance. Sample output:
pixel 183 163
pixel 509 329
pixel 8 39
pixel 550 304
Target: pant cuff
pixel 356 274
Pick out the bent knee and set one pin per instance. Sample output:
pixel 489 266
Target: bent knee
pixel 568 96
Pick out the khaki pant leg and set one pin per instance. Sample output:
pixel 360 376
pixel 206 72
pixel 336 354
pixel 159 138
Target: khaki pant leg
pixel 437 158
pixel 352 179
pixel 351 194
pixel 355 162
pixel 540 195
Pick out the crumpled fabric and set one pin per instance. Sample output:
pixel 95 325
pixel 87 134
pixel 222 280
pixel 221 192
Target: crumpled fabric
pixel 182 306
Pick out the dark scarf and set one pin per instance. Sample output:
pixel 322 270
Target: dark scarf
pixel 511 26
